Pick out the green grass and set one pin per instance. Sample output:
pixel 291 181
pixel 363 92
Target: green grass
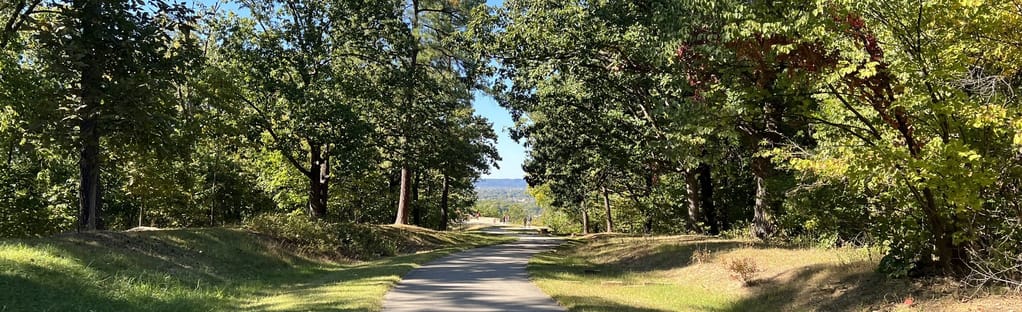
pixel 690 273
pixel 576 276
pixel 202 270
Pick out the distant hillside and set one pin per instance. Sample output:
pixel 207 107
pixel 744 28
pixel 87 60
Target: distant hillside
pixel 501 183
pixel 510 190
pixel 505 197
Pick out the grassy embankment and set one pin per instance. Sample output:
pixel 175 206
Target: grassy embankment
pixel 693 273
pixel 204 270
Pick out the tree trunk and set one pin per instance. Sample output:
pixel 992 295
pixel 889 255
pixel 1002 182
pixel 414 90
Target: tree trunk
pixel 141 211
pixel 706 197
pixel 393 183
pixel 91 77
pixel 445 193
pixel 416 206
pixel 651 181
pixel 952 258
pixel 585 218
pixel 88 194
pixel 647 225
pixel 319 179
pixel 410 100
pixel 403 197
pixel 692 196
pixel 762 168
pixel 762 220
pixel 606 206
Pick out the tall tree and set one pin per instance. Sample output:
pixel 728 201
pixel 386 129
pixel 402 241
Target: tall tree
pixel 440 74
pixel 119 62
pixel 468 153
pixel 306 64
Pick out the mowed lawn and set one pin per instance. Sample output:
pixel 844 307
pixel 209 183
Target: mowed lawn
pixel 201 270
pixel 697 273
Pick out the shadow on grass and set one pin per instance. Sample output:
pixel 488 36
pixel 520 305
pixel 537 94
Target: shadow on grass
pixel 46 289
pixel 596 304
pixel 20 292
pixel 846 286
pixel 187 270
pixel 823 288
pixel 669 256
pixel 639 258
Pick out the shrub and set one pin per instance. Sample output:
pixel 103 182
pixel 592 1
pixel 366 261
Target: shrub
pixel 558 221
pixel 741 230
pixel 322 238
pixel 742 269
pixel 701 255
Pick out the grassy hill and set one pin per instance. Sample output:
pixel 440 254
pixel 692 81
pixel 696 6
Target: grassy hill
pixel 698 273
pixel 205 270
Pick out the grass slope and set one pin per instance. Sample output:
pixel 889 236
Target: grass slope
pixel 203 270
pixel 689 273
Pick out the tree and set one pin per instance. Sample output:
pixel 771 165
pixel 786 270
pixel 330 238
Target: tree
pixel 468 153
pixel 440 74
pixel 905 86
pixel 117 63
pixel 305 64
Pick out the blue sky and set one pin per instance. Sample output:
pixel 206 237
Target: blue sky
pixel 512 153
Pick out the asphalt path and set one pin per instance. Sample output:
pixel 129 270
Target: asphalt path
pixel 482 279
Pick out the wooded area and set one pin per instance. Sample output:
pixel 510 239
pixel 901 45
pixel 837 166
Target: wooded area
pixel 893 123
pixel 356 111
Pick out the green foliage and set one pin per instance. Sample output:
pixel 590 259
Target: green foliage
pixel 558 221
pixel 213 117
pixel 820 122
pixel 322 238
pixel 823 122
pixel 826 215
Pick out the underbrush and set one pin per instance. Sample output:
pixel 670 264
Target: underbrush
pixel 320 238
pixel 340 241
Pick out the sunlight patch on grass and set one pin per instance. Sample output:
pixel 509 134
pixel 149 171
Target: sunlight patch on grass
pixel 689 273
pixel 201 270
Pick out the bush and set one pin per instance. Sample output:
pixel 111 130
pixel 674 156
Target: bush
pixel 558 221
pixel 741 230
pixel 321 238
pixel 742 269
pixel 701 255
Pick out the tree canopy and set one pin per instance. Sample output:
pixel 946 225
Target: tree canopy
pixel 877 122
pixel 891 123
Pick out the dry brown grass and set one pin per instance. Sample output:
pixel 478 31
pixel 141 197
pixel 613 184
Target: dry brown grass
pixel 783 279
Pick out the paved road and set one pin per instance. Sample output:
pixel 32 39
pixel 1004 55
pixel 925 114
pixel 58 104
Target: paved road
pixel 482 279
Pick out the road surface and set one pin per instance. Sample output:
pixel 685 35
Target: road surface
pixel 482 279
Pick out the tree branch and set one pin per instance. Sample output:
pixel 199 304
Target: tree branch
pixel 273 133
pixel 858 115
pixel 19 15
